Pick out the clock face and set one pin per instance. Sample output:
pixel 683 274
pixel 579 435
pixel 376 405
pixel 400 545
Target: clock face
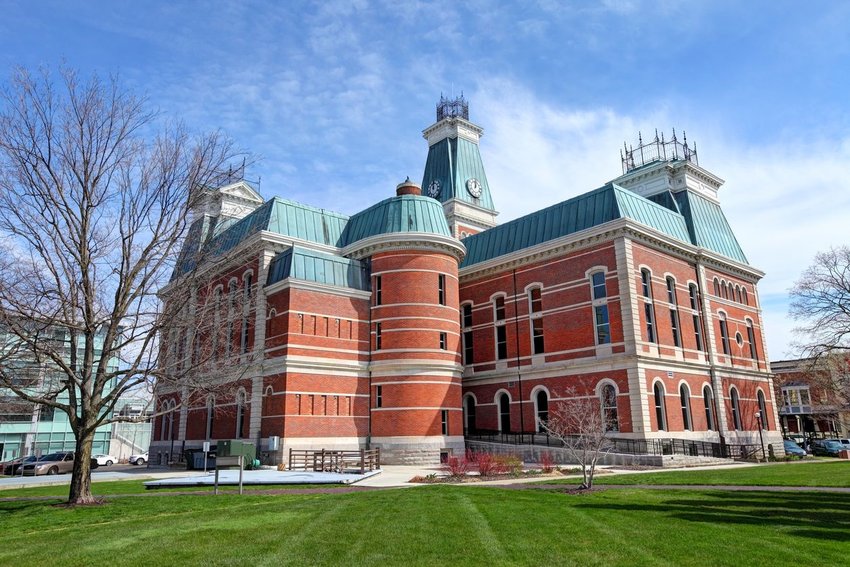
pixel 474 187
pixel 434 189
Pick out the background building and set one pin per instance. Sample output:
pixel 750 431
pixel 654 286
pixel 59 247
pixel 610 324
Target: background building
pixel 27 428
pixel 420 319
pixel 811 397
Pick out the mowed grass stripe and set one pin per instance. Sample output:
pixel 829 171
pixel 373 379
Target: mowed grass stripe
pixel 438 525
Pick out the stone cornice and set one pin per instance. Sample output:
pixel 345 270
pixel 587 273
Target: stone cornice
pixel 452 127
pixel 405 241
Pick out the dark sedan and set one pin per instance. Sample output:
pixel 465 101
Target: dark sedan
pixel 826 447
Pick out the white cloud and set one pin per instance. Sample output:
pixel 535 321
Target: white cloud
pixel 785 201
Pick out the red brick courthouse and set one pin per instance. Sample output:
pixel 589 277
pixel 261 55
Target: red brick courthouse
pixel 420 319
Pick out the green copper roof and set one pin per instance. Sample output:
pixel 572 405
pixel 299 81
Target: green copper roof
pixel 309 265
pixel 405 213
pixel 452 162
pixel 708 227
pixel 579 213
pixel 276 215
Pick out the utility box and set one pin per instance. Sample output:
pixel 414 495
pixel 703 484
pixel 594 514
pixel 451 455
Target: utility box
pixel 236 447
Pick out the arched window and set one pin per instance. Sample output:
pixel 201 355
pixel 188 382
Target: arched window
pixel 738 294
pixel 660 410
pixel 693 294
pixel 599 299
pixel 501 329
pixel 231 313
pixel 708 401
pixel 716 287
pixel 736 409
pixel 674 311
pixel 169 435
pixel 240 413
pixel 504 413
pixel 744 295
pixel 724 334
pixel 469 414
pixel 541 400
pixel 609 408
pixel 685 399
pixel 730 291
pixel 535 300
pixel 765 423
pixel 210 415
pixel 648 307
pixel 751 338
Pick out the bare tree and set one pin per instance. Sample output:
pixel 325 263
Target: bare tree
pixel 579 423
pixel 820 302
pixel 94 201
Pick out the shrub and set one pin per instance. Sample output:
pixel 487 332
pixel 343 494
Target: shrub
pixel 547 463
pixel 510 464
pixel 456 467
pixel 486 464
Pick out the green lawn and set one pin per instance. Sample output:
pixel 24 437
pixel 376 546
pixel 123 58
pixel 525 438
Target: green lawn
pixel 109 488
pixel 430 525
pixel 833 473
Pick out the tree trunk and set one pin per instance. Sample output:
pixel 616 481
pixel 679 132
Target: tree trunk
pixel 80 492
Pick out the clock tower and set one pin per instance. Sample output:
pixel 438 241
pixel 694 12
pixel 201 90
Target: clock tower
pixel 454 172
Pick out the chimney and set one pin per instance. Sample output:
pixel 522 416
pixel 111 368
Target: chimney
pixel 408 187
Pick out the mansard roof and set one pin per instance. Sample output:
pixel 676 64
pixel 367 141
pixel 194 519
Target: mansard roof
pixel 594 208
pixel 303 264
pixel 451 162
pixel 401 214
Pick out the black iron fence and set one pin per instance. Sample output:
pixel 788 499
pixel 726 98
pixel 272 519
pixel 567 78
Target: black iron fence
pixel 629 446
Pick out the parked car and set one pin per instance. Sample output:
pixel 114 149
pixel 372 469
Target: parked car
pixel 54 463
pixel 14 466
pixel 845 442
pixel 826 447
pixel 792 448
pixel 105 460
pixel 139 459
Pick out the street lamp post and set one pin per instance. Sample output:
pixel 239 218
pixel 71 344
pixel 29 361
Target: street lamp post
pixel 761 438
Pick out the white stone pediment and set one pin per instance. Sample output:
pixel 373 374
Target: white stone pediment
pixel 242 191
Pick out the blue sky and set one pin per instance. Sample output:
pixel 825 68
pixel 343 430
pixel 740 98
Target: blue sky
pixel 333 96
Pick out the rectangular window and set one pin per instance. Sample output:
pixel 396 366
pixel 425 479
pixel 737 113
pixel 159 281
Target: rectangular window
pixel 603 327
pixel 501 342
pixel 804 398
pixel 650 323
pixel 674 326
pixel 377 336
pixel 441 292
pixel 379 396
pixel 445 422
pixel 378 292
pixel 467 316
pixel 536 297
pixel 499 304
pixel 468 357
pixel 537 334
pixel 443 341
pixel 598 281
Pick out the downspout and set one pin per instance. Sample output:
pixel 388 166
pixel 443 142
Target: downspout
pixel 516 342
